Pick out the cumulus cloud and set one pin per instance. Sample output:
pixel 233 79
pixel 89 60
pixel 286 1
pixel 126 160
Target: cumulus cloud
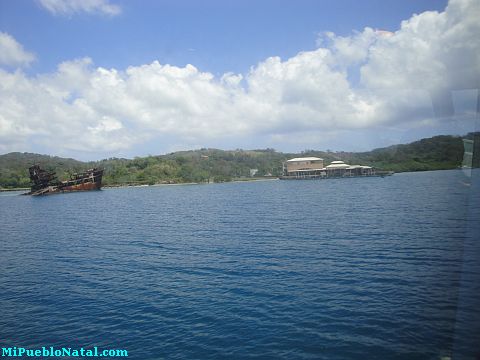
pixel 70 7
pixel 12 53
pixel 43 111
pixel 431 50
pixel 302 100
pixel 350 50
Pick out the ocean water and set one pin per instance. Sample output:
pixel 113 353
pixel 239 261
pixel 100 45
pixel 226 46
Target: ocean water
pixel 362 268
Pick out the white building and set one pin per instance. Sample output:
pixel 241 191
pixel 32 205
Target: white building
pixel 303 164
pixel 312 167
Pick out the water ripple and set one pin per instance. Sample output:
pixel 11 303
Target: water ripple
pixel 364 268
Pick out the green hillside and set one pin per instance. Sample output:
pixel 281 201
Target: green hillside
pixel 14 167
pixel 439 152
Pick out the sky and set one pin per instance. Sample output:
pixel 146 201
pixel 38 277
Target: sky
pixel 93 79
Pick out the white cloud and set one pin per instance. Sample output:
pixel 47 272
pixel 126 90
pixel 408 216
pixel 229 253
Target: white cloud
pixel 70 7
pixel 430 51
pixel 12 53
pixel 350 50
pixel 308 100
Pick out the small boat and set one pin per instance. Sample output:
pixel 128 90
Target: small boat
pixel 45 183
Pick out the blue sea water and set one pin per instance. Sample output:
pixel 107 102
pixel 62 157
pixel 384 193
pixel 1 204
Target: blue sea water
pixel 362 268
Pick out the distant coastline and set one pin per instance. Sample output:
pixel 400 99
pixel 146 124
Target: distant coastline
pixel 14 189
pixel 202 166
pixel 239 180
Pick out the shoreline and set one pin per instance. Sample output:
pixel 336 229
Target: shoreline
pixel 145 185
pixel 15 189
pixel 236 180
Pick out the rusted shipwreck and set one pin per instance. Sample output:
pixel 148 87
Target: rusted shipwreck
pixel 45 182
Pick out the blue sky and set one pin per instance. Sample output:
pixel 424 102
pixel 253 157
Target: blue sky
pixel 216 36
pixel 127 78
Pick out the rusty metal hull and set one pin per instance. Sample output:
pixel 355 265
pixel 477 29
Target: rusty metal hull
pixel 46 183
pixel 82 187
pixel 57 190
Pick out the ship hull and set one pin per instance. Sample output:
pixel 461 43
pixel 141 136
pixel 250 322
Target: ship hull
pixel 82 187
pixel 87 181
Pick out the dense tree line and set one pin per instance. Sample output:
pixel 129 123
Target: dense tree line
pixel 212 165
